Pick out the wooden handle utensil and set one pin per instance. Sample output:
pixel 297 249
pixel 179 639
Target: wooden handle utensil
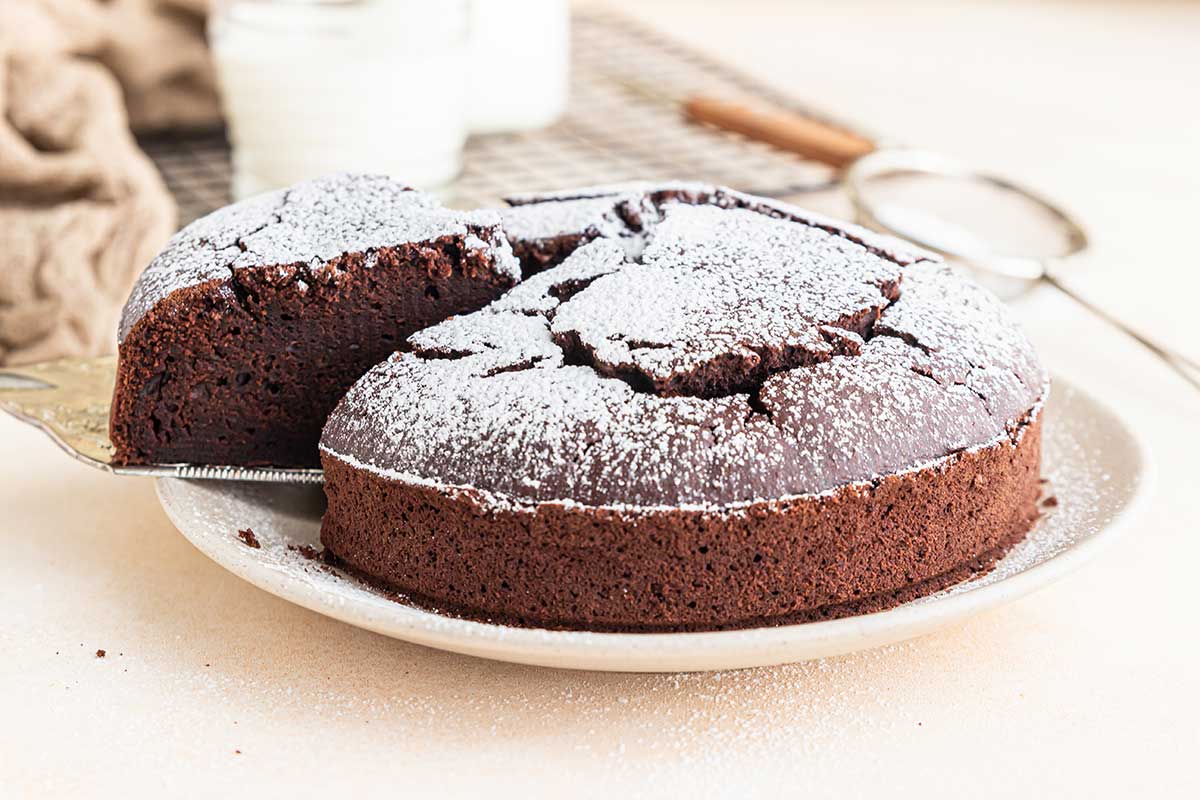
pixel 783 129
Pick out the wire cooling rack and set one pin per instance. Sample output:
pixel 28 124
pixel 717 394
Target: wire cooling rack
pixel 618 127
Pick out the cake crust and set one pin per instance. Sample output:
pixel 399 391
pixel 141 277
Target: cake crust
pixel 861 548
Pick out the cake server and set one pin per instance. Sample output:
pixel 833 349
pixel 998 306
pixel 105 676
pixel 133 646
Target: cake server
pixel 69 399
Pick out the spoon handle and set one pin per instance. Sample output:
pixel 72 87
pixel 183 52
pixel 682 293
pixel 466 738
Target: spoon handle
pixel 1186 367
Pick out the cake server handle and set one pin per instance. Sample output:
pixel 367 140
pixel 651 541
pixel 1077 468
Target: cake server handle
pixel 69 401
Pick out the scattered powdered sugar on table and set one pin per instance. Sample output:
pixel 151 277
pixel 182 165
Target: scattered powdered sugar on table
pixel 738 354
pixel 687 716
pixel 645 723
pixel 310 224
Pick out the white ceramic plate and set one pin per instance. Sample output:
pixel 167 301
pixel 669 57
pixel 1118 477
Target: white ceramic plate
pixel 1095 464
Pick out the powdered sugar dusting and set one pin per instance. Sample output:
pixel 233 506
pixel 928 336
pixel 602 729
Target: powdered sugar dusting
pixel 626 211
pixel 740 357
pixel 541 293
pixel 593 216
pixel 728 292
pixel 310 224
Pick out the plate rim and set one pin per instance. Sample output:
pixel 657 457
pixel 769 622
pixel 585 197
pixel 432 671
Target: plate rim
pixel 678 651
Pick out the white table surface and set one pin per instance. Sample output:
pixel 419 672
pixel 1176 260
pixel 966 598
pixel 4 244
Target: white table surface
pixel 1086 689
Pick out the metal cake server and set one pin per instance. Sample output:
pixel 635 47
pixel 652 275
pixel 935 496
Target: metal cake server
pixel 69 400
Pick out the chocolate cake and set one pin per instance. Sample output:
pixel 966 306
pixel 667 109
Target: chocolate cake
pixel 714 411
pixel 242 335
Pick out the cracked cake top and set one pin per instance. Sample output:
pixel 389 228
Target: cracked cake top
pixel 310 224
pixel 744 350
pixel 544 228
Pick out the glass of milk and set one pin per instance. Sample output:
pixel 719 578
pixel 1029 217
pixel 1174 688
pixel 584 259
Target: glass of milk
pixel 519 51
pixel 311 87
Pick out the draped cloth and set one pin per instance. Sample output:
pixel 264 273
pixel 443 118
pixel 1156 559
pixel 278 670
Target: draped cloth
pixel 157 51
pixel 82 209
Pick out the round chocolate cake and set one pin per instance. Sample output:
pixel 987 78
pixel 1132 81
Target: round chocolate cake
pixel 714 411
pixel 242 335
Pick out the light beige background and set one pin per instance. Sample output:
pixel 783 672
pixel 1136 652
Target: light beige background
pixel 1087 689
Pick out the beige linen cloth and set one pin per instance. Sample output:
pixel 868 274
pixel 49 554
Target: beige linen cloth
pixel 82 210
pixel 157 50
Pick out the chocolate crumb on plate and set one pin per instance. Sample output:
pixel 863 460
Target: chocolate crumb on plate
pixel 248 538
pixel 306 550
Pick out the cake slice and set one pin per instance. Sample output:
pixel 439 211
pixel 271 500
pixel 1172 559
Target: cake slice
pixel 243 334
